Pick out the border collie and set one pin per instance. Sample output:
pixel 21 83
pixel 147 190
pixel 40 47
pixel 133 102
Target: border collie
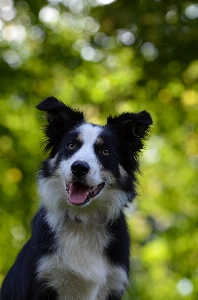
pixel 79 248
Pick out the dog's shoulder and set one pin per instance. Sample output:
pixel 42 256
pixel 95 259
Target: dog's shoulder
pixel 21 278
pixel 118 247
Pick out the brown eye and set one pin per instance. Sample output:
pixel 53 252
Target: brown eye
pixel 106 151
pixel 71 145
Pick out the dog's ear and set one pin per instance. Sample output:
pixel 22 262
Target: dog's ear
pixel 133 126
pixel 60 118
pixel 59 114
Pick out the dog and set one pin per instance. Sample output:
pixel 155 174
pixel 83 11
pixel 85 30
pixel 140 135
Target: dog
pixel 79 248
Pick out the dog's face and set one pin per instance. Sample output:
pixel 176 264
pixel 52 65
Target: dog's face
pixel 91 168
pixel 82 164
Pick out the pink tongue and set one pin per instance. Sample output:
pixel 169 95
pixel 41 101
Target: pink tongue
pixel 78 193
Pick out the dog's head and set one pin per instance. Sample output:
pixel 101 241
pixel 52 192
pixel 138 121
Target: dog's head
pixel 90 167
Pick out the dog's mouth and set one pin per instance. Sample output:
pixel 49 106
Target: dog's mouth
pixel 80 194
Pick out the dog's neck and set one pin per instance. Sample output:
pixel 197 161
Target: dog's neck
pixel 97 218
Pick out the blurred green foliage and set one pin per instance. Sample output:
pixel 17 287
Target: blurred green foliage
pixel 106 57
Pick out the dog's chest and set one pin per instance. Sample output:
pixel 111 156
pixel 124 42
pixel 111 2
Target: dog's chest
pixel 78 268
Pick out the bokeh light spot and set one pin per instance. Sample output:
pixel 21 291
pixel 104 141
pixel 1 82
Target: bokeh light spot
pixel 185 287
pixel 190 98
pixel 192 11
pixel 12 58
pixel 149 51
pixel 49 15
pixel 14 175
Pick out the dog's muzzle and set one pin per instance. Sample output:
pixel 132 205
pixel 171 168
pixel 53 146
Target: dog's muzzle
pixel 78 192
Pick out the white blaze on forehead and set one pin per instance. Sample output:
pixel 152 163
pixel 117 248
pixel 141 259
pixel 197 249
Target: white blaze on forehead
pixel 89 133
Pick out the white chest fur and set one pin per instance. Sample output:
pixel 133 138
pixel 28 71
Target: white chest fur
pixel 78 269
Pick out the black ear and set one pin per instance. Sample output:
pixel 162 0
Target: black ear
pixel 60 118
pixel 133 126
pixel 59 114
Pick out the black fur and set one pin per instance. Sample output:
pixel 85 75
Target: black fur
pixel 20 282
pixel 61 119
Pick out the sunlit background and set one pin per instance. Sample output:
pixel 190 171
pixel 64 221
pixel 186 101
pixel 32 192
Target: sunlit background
pixel 107 57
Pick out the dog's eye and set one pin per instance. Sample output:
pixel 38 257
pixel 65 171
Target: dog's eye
pixel 106 151
pixel 71 145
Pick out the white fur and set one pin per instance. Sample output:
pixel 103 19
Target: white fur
pixel 79 269
pixel 78 261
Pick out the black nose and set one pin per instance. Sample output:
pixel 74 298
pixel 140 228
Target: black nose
pixel 80 168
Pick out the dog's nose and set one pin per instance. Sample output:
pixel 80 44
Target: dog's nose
pixel 80 168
